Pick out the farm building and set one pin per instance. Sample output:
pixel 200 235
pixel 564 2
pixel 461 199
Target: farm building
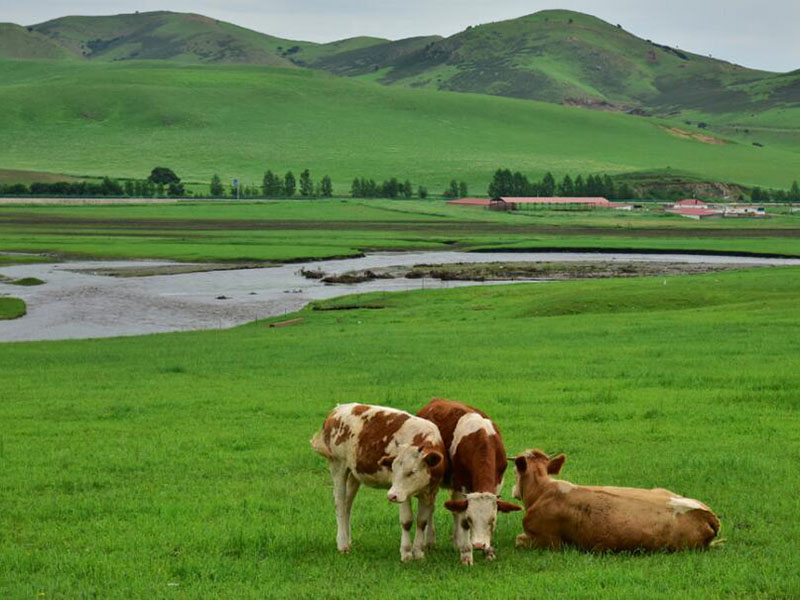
pixel 745 211
pixel 527 203
pixel 690 203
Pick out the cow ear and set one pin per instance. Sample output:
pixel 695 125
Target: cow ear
pixel 504 506
pixel 456 505
pixel 386 462
pixel 433 458
pixel 521 463
pixel 555 464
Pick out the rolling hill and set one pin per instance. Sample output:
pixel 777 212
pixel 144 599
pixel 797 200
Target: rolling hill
pixel 123 118
pixel 557 56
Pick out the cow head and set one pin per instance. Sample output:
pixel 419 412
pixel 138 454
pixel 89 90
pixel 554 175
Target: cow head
pixel 411 470
pixel 532 467
pixel 478 514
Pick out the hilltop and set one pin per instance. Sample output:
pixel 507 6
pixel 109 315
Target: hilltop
pixel 556 56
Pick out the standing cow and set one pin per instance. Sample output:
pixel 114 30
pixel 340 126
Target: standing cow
pixel 477 464
pixel 604 518
pixel 383 448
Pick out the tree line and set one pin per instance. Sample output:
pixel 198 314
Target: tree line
pixel 758 194
pixel 161 182
pixel 506 183
pixel 275 186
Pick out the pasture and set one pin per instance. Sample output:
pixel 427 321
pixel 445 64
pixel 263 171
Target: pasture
pixel 178 465
pixel 311 229
pixel 120 118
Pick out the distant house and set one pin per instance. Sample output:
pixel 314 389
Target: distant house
pixel 744 211
pixel 690 203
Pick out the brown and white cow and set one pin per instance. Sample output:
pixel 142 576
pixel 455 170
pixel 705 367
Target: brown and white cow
pixel 604 518
pixel 383 448
pixel 477 464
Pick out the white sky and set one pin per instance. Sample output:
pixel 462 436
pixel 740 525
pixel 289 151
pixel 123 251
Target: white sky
pixel 761 34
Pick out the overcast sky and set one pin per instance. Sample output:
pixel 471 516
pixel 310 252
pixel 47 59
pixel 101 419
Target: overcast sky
pixel 759 34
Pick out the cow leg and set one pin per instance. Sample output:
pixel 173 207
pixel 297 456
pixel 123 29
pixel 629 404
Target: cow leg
pixel 406 521
pixel 424 516
pixel 339 474
pixel 461 539
pixel 351 490
pixel 429 538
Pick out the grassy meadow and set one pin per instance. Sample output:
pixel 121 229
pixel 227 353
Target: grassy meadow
pixel 11 308
pixel 122 119
pixel 178 465
pixel 294 230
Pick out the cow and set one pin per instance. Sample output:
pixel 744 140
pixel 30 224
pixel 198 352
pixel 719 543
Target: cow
pixel 600 519
pixel 477 462
pixel 383 448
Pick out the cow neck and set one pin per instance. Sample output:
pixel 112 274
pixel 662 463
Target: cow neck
pixel 541 485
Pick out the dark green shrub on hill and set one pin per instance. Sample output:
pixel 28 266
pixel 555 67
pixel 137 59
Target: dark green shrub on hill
pixel 163 176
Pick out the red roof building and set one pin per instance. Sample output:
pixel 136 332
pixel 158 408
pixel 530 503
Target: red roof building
pixel 470 202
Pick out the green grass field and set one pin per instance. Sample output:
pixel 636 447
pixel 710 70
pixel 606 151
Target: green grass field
pixel 122 119
pixel 11 308
pixel 178 465
pixel 294 230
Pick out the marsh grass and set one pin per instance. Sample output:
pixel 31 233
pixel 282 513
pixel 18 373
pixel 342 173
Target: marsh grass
pixel 178 465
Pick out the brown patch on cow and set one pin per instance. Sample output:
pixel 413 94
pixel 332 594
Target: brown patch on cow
pixel 336 429
pixel 359 409
pixel 480 460
pixel 420 440
pixel 378 430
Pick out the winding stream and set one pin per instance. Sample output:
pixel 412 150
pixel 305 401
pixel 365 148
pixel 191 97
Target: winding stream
pixel 74 303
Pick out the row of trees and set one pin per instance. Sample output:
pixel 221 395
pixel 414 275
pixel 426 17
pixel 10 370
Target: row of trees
pixel 456 189
pixel 107 187
pixel 274 186
pixel 390 188
pixel 791 195
pixel 506 183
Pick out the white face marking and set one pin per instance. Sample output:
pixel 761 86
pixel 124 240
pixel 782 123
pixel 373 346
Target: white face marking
pixel 681 505
pixel 468 424
pixel 410 473
pixel 480 517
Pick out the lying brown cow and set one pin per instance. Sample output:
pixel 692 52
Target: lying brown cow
pixel 384 448
pixel 478 462
pixel 604 518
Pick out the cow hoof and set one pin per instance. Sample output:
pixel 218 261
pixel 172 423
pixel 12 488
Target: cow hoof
pixel 418 554
pixel 344 549
pixel 407 557
pixel 466 560
pixel 490 555
pixel 522 541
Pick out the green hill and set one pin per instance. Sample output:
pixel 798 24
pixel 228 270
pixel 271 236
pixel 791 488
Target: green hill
pixel 121 119
pixel 20 42
pixel 572 58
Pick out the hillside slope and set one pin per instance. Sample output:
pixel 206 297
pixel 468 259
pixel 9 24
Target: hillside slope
pixel 571 58
pixel 124 118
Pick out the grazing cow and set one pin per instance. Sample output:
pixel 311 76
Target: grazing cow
pixel 384 448
pixel 604 518
pixel 477 464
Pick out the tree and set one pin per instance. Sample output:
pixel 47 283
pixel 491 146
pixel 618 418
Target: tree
pixel 355 189
pixel 608 188
pixel 326 187
pixel 176 189
pixel 216 188
pixel 271 185
pixel 289 184
pixel 110 187
pixel 422 192
pixel 452 190
pixel 625 192
pixel 408 191
pixel 129 189
pixel 566 188
pixel 580 187
pixel 390 188
pixel 548 185
pixel 794 193
pixel 306 184
pixel 502 184
pixel 163 176
pixel 463 191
